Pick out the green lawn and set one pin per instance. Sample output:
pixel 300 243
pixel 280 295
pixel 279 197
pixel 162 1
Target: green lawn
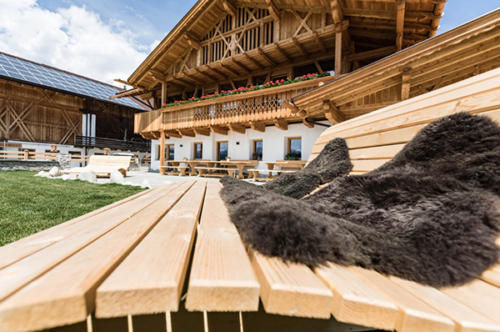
pixel 29 204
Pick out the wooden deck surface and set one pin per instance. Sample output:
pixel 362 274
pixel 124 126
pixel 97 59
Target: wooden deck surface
pixel 140 255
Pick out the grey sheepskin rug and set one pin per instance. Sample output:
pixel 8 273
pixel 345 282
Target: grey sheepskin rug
pixel 332 162
pixel 430 215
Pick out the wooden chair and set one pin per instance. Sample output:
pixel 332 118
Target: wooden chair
pixel 126 265
pixel 104 165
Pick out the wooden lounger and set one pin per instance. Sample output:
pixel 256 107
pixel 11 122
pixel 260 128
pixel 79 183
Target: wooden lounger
pixel 171 256
pixel 103 166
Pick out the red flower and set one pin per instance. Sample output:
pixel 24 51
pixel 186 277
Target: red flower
pixel 282 81
pixel 252 87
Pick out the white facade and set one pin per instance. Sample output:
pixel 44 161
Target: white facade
pixel 240 146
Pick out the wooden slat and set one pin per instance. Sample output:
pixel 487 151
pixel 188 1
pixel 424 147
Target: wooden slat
pixel 291 289
pixel 150 279
pixel 355 301
pixel 221 277
pixel 367 165
pixel 492 276
pixel 17 275
pixel 378 152
pixel 16 251
pixel 466 319
pixel 65 294
pixel 414 314
pixel 479 296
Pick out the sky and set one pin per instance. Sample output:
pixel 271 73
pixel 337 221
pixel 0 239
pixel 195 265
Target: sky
pixel 108 39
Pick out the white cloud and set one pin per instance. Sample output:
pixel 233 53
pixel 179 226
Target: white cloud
pixel 73 39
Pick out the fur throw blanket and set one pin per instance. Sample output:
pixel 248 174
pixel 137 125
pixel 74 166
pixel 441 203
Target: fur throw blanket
pixel 430 215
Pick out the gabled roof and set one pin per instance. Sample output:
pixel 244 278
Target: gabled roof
pixel 372 24
pixel 25 71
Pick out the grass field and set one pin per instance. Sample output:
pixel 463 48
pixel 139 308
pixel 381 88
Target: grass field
pixel 29 204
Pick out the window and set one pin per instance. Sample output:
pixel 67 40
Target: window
pixel 198 151
pixel 170 152
pixel 258 145
pixel 222 150
pixel 294 148
pixel 157 154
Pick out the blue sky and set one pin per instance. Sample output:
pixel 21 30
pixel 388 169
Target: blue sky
pixel 107 39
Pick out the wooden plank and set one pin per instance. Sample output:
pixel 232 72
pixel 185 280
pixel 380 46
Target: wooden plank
pixel 66 294
pixel 291 289
pixel 150 279
pixel 378 152
pixel 221 277
pixel 466 319
pixel 367 165
pixel 17 275
pixel 479 296
pixel 357 302
pixel 492 276
pixel 16 251
pixel 415 315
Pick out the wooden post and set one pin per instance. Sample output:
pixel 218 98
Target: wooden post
pixel 338 53
pixel 106 151
pixel 405 84
pixel 162 152
pixel 26 154
pixel 400 22
pixel 163 93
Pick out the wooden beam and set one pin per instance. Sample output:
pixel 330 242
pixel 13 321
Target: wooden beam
pixel 229 8
pixel 337 11
pixel 275 13
pixel 300 47
pixel 163 93
pixel 282 52
pixel 405 84
pixel 202 131
pixel 219 130
pixel 187 132
pixel 210 77
pixel 400 23
pixel 245 69
pixel 281 124
pixel 162 151
pixel 237 128
pixel 338 53
pixel 332 113
pixel 119 80
pixel 251 59
pixel 229 69
pixel 258 126
pixel 376 53
pixel 157 74
pixel 192 40
pixel 308 123
pixel 174 133
pixel 294 109
pixel 266 57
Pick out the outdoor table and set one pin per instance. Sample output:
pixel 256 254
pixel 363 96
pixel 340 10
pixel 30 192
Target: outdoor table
pixel 193 163
pixel 240 165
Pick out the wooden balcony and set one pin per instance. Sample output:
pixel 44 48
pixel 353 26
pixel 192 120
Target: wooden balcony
pixel 253 109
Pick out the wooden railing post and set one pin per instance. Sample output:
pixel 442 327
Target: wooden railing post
pixel 26 155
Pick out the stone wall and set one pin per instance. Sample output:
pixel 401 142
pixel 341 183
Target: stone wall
pixel 28 165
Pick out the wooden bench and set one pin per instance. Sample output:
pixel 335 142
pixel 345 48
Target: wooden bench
pixel 131 261
pixel 285 166
pixel 180 170
pixel 219 171
pixel 104 165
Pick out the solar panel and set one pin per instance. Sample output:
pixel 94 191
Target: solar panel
pixel 12 67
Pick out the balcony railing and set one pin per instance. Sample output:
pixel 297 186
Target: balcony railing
pixel 262 105
pixel 114 144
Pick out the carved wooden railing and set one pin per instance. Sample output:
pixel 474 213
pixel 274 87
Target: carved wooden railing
pixel 255 106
